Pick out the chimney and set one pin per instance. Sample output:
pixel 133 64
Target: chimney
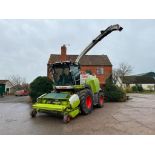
pixel 63 56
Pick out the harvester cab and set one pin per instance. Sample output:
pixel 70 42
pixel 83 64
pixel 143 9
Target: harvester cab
pixel 72 94
pixel 65 73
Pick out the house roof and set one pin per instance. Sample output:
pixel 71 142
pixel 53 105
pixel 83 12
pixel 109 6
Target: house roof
pixel 86 60
pixel 150 74
pixel 138 80
pixel 3 81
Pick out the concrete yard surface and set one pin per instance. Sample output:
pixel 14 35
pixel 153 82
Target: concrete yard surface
pixel 136 116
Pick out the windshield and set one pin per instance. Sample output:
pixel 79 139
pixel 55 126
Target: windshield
pixel 62 76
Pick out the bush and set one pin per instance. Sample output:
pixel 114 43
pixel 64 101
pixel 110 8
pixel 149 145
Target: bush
pixel 150 88
pixel 128 90
pixel 113 93
pixel 40 86
pixel 137 88
pixel 134 89
pixel 140 88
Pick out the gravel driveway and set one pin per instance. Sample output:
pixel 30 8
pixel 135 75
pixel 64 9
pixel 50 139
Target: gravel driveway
pixel 136 116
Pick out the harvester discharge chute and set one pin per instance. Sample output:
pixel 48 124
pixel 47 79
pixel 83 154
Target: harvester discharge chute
pixel 73 94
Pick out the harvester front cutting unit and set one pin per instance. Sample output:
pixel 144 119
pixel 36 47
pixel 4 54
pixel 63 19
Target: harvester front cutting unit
pixel 72 93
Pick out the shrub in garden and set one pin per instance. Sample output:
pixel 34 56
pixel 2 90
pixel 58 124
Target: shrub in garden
pixel 134 89
pixel 128 90
pixel 137 88
pixel 113 93
pixel 39 86
pixel 150 88
pixel 140 88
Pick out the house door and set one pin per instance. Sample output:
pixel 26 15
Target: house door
pixel 7 91
pixel 2 89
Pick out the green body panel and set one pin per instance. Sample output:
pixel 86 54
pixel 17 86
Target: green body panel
pixel 49 107
pixel 64 109
pixel 58 102
pixel 56 96
pixel 75 104
pixel 93 82
pixel 74 101
pixel 79 86
pixel 74 112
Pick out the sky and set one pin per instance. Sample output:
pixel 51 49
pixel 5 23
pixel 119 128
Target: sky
pixel 25 45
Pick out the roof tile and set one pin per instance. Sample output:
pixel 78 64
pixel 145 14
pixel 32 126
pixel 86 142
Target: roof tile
pixel 86 60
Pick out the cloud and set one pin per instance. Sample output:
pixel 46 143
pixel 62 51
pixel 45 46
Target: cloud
pixel 25 45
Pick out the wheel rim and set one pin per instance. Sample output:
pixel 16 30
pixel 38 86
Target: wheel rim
pixel 88 102
pixel 101 100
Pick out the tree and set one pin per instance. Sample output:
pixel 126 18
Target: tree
pixel 113 93
pixel 115 76
pixel 18 82
pixel 39 86
pixel 123 70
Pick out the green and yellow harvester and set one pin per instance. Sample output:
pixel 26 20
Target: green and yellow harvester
pixel 72 93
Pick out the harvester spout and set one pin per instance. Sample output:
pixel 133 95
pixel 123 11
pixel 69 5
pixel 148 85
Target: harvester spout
pixel 103 34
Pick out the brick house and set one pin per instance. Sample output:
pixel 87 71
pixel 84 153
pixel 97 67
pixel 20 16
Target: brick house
pixel 98 65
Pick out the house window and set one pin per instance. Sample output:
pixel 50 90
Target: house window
pixel 100 71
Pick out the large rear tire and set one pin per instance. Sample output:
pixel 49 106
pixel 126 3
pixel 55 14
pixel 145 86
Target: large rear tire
pixel 100 100
pixel 86 101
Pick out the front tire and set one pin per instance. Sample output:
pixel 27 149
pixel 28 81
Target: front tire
pixel 33 113
pixel 86 101
pixel 66 119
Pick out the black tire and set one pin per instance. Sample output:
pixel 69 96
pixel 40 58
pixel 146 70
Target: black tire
pixel 66 119
pixel 33 113
pixel 86 101
pixel 100 100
